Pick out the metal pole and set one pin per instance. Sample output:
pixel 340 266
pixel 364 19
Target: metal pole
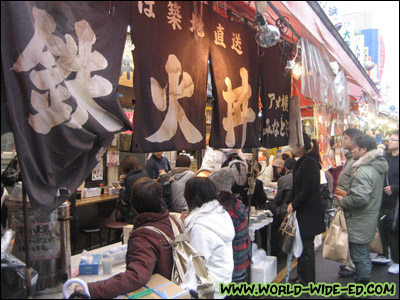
pixel 252 185
pixel 28 274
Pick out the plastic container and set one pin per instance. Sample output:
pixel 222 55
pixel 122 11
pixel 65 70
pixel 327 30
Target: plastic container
pixel 91 192
pixel 264 271
pixel 118 254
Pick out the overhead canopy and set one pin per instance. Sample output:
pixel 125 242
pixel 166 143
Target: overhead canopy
pixel 309 21
pixel 314 29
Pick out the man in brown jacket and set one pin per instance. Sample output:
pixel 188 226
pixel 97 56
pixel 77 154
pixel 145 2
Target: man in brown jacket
pixel 148 252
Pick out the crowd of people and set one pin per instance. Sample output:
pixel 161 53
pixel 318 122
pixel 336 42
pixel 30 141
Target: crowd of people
pixel 214 210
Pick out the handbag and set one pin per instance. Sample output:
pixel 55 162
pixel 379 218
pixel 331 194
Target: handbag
pixel 336 244
pixel 186 258
pixel 376 245
pixel 288 231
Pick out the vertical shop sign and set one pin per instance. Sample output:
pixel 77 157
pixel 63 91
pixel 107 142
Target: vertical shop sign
pixel 275 93
pixel 61 76
pixel 170 76
pixel 235 73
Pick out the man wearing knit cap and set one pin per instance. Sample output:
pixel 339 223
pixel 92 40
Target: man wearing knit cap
pixel 224 180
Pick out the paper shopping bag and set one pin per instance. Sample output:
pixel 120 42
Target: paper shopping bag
pixel 376 245
pixel 336 243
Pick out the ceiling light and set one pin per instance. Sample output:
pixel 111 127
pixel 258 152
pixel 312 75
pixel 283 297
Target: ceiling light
pixel 267 35
pixel 291 63
pixel 297 71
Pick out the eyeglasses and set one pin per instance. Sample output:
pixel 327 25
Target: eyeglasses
pixel 392 140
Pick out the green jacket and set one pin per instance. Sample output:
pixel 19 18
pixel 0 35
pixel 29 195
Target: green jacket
pixel 361 206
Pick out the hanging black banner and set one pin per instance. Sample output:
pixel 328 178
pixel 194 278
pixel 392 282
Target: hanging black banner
pixel 235 77
pixel 275 95
pixel 60 76
pixel 170 77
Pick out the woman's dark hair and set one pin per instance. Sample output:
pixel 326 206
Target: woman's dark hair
pixel 312 147
pixel 276 175
pixel 199 190
pixel 183 160
pixel 130 162
pixel 285 156
pixel 366 141
pixel 146 195
pixel 225 197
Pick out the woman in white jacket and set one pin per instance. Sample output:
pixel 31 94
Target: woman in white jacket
pixel 210 229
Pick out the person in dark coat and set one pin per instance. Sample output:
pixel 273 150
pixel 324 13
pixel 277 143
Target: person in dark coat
pixel 148 252
pixel 390 239
pixel 133 171
pixel 279 205
pixel 259 197
pixel 305 199
pixel 157 165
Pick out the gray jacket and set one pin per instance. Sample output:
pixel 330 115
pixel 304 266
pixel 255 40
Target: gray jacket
pixel 180 177
pixel 279 205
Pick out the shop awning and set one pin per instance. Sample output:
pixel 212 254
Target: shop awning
pixel 313 28
pixel 309 21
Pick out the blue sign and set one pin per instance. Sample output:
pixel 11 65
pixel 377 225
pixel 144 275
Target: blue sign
pixel 392 108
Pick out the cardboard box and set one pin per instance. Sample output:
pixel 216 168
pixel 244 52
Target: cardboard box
pixel 162 289
pixel 91 268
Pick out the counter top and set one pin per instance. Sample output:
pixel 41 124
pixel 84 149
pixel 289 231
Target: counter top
pixel 75 260
pixel 96 199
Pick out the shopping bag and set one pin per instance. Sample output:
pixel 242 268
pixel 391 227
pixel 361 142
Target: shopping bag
pixel 288 231
pixel 376 245
pixel 298 244
pixel 336 243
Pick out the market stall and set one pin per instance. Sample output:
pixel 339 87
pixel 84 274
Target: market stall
pixel 61 80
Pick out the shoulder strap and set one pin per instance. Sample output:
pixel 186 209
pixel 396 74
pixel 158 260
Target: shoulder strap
pixel 155 229
pixel 174 227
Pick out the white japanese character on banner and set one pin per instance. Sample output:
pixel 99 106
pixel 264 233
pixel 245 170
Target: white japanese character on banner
pixel 285 103
pixel 198 25
pixel 239 112
pixel 50 107
pixel 219 36
pixel 174 15
pixel 277 101
pixel 175 115
pixel 237 43
pixel 276 128
pixel 147 11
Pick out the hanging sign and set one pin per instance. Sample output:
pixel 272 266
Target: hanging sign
pixel 275 93
pixel 235 73
pixel 170 75
pixel 60 76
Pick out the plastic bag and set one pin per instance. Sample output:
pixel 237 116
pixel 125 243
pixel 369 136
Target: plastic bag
pixel 13 282
pixel 190 282
pixel 298 244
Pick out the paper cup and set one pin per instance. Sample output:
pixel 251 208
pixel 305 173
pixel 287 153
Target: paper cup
pixel 107 263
